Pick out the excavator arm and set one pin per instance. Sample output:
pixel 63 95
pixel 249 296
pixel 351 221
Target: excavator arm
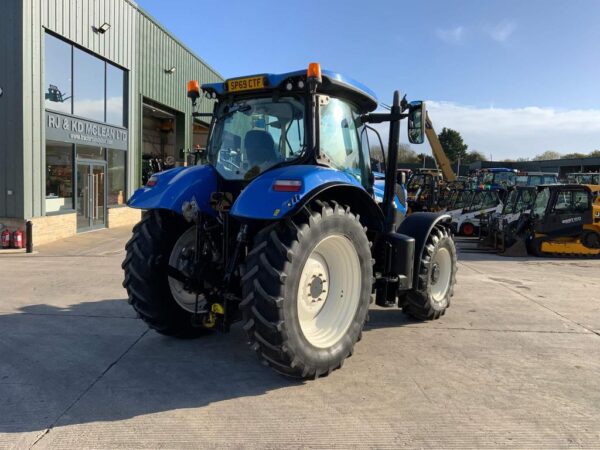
pixel 438 152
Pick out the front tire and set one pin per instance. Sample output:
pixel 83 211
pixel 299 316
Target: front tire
pixel 436 278
pixel 307 286
pixel 148 286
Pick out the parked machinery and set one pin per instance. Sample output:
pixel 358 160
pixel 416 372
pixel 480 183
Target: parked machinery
pixel 457 201
pixel 584 178
pixel 496 178
pixel 484 201
pixel 536 178
pixel 564 221
pixel 286 228
pixel 423 190
pixel 498 228
pixel 428 188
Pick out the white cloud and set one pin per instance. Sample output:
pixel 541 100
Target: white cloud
pixel 451 35
pixel 515 132
pixel 95 108
pixel 502 31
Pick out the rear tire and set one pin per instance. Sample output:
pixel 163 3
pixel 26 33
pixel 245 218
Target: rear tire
pixel 299 328
pixel 436 278
pixel 146 279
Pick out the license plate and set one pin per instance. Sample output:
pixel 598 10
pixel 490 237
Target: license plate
pixel 246 84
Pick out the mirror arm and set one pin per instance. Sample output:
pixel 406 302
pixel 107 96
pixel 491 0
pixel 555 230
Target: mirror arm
pixel 381 117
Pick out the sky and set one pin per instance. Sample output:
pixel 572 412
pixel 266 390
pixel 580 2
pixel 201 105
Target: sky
pixel 514 77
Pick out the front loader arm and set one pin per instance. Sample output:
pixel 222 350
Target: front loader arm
pixel 438 152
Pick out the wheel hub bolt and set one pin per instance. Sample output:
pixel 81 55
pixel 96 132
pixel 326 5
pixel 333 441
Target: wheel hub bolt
pixel 435 273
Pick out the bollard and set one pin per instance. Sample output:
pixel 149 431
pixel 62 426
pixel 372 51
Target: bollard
pixel 28 236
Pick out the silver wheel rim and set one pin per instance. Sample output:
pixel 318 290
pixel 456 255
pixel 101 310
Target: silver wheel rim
pixel 329 291
pixel 183 248
pixel 440 274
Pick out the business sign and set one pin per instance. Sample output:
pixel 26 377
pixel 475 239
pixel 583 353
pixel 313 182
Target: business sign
pixel 63 128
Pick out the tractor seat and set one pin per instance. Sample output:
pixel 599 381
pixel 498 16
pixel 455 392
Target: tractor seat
pixel 260 147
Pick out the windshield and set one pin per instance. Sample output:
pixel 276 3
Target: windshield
pixel 504 178
pixel 463 199
pixel 483 200
pixel 251 136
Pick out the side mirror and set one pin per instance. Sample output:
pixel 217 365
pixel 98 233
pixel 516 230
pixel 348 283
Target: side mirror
pixel 417 115
pixel 401 178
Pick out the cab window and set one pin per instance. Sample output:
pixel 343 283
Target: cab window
pixel 572 202
pixel 338 136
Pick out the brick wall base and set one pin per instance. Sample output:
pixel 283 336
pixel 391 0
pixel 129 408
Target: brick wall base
pixel 54 228
pixel 123 216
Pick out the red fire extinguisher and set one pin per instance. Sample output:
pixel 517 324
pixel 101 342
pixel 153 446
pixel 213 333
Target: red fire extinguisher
pixel 18 239
pixel 6 238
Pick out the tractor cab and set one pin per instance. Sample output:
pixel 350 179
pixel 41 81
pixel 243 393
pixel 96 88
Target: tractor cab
pixel 496 178
pixel 305 117
pixel 584 178
pixel 536 178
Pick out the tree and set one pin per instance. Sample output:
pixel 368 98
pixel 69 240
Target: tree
pixel 547 155
pixel 473 156
pixel 377 153
pixel 574 156
pixel 453 145
pixel 594 154
pixel 406 154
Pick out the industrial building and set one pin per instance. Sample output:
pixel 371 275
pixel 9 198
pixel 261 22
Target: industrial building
pixel 92 100
pixel 562 167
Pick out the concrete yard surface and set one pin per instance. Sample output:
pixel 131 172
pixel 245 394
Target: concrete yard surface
pixel 515 363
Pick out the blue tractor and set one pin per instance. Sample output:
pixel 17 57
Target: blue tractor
pixel 287 228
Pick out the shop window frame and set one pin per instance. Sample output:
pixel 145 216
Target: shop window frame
pixel 73 165
pixel 126 75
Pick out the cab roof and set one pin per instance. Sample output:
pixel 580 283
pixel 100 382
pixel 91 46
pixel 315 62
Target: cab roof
pixel 498 169
pixel 334 84
pixel 568 186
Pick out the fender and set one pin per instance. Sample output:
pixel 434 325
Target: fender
pixel 176 186
pixel 258 200
pixel 378 188
pixel 418 226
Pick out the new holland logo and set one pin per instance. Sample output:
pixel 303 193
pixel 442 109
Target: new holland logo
pixel 572 220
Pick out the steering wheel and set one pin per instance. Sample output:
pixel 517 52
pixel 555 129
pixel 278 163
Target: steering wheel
pixel 228 161
pixel 231 165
